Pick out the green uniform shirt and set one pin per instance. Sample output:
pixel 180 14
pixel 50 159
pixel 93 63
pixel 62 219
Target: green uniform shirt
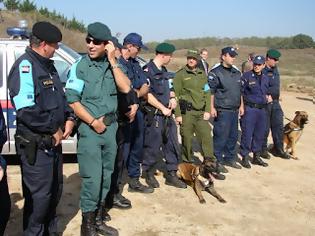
pixel 91 82
pixel 193 87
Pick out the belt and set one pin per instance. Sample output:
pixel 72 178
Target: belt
pixel 255 105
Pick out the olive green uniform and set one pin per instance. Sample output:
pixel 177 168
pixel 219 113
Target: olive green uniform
pixel 192 86
pixel 92 84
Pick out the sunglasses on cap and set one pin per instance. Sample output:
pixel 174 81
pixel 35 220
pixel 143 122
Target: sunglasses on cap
pixel 88 40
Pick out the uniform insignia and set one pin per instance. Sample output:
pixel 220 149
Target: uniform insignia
pixel 252 82
pixel 188 78
pixel 210 77
pixel 25 69
pixel 270 74
pixel 48 83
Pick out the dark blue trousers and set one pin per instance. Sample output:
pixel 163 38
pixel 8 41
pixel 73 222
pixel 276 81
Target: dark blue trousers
pixel 154 144
pixel 42 188
pixel 133 145
pixel 253 125
pixel 5 204
pixel 275 124
pixel 225 135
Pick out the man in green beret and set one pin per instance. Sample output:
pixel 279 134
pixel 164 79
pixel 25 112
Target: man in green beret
pixel 160 128
pixel 275 113
pixel 193 113
pixel 91 91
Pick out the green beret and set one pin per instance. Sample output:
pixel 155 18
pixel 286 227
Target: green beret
pixel 193 53
pixel 273 53
pixel 165 48
pixel 99 31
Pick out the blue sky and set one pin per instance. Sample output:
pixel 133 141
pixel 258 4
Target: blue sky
pixel 173 19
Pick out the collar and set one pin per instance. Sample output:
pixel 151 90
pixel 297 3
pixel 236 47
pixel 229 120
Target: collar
pixel 43 60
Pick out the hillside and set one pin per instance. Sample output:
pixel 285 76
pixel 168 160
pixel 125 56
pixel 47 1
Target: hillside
pixel 296 65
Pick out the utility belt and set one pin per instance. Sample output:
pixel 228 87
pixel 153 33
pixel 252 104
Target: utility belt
pixel 255 105
pixel 150 113
pixel 30 142
pixel 110 118
pixel 187 106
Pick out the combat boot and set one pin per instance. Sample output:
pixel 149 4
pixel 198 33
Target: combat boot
pixel 173 180
pixel 265 154
pixel 104 229
pixel 136 186
pixel 120 202
pixel 102 213
pixel 279 152
pixel 221 168
pixel 88 224
pixel 245 162
pixel 150 179
pixel 258 161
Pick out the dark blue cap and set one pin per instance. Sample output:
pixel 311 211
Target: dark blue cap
pixel 258 60
pixel 229 50
pixel 135 39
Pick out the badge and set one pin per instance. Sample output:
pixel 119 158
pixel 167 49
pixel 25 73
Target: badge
pixel 25 69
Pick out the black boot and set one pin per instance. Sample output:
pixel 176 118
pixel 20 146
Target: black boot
pixel 120 202
pixel 150 179
pixel 279 152
pixel 258 161
pixel 101 226
pixel 245 162
pixel 102 213
pixel 88 224
pixel 136 186
pixel 265 154
pixel 174 181
pixel 221 168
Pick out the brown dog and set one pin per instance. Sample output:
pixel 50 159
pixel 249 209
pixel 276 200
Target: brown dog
pixel 199 178
pixel 293 131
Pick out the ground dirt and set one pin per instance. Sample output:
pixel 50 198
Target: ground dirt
pixel 277 200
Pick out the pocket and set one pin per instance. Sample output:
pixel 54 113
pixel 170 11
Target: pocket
pixel 47 93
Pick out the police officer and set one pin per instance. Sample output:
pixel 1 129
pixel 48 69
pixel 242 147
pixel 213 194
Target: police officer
pixel 275 113
pixel 5 205
pixel 255 87
pixel 224 82
pixel 133 146
pixel 43 120
pixel 159 125
pixel 193 113
pixel 91 91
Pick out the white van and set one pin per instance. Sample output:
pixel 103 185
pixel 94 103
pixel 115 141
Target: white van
pixel 10 50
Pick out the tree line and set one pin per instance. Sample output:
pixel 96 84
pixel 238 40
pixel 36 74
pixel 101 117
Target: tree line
pixel 298 41
pixel 30 6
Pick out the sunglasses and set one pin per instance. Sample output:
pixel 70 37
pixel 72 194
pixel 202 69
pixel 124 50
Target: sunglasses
pixel 94 41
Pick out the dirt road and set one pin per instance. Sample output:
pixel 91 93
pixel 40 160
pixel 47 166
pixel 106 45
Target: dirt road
pixel 277 200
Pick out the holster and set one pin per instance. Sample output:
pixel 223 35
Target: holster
pixel 149 111
pixel 185 106
pixel 29 145
pixel 109 119
pixel 30 142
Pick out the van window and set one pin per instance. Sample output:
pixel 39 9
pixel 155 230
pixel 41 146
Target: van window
pixel 1 67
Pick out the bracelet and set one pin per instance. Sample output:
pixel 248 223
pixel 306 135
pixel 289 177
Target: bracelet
pixel 90 124
pixel 114 66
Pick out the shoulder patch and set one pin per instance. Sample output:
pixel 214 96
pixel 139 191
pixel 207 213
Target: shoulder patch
pixel 74 82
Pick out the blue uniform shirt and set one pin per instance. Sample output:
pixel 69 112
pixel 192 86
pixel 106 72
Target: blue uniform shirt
pixel 225 85
pixel 37 94
pixel 139 77
pixel 274 77
pixel 255 87
pixel 159 84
